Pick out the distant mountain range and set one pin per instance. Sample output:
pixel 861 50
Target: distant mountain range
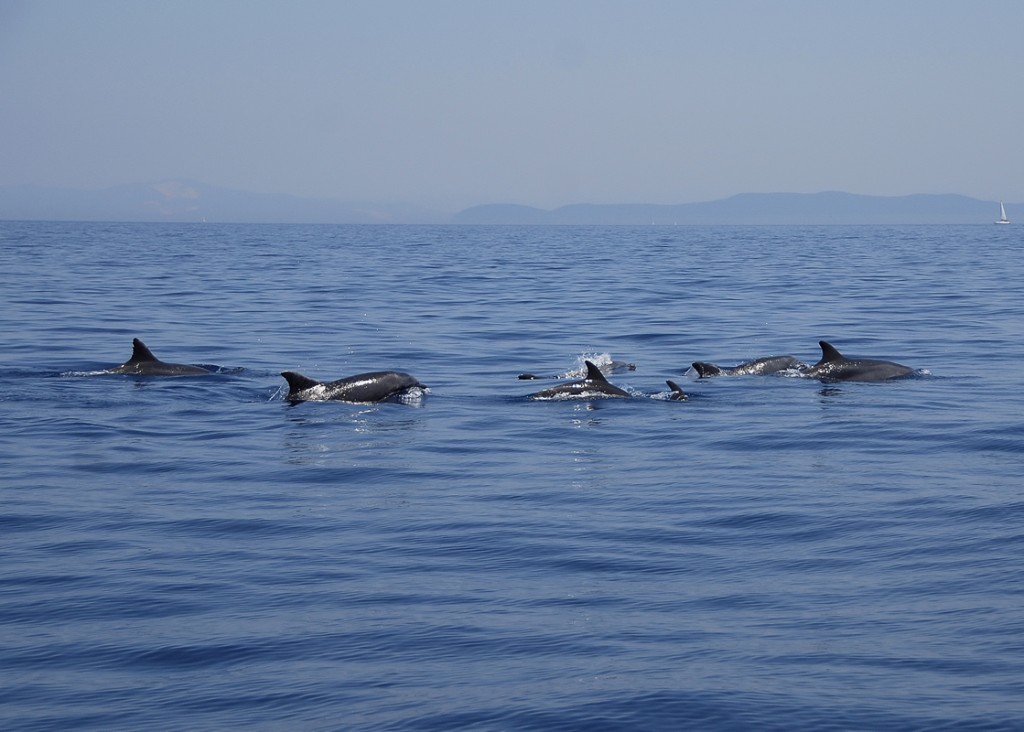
pixel 756 208
pixel 191 201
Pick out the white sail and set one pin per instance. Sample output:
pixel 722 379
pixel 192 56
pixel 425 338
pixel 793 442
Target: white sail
pixel 1002 214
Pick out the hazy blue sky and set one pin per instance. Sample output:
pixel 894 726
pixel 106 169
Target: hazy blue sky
pixel 451 103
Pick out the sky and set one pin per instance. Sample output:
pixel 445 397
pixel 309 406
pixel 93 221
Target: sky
pixel 446 104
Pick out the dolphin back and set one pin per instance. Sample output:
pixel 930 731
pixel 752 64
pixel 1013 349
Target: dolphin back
pixel 835 366
pixel 594 384
pixel 757 367
pixel 144 363
pixel 373 386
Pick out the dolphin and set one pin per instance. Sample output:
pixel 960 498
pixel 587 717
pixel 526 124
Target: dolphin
pixel 615 367
pixel 764 365
pixel 373 386
pixel 612 367
pixel 593 385
pixel 834 366
pixel 144 363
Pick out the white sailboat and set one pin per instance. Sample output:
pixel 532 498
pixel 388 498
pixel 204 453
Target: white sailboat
pixel 1002 215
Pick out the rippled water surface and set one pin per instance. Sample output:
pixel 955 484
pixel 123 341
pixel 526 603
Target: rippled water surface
pixel 772 553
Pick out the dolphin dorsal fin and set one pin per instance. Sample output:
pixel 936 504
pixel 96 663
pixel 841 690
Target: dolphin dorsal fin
pixel 140 352
pixel 594 373
pixel 829 352
pixel 298 382
pixel 677 391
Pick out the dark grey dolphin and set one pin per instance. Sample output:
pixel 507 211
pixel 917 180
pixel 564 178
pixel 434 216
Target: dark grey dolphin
pixel 593 385
pixel 834 366
pixel 144 363
pixel 764 365
pixel 373 386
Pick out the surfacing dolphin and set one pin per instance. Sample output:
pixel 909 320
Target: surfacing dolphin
pixel 373 386
pixel 759 366
pixel 593 385
pixel 834 366
pixel 612 367
pixel 144 363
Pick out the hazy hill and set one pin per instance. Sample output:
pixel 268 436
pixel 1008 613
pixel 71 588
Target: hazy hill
pixel 182 200
pixel 756 208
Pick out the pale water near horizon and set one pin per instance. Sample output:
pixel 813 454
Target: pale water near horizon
pixel 772 553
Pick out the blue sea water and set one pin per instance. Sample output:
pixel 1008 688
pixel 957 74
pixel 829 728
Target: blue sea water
pixel 774 553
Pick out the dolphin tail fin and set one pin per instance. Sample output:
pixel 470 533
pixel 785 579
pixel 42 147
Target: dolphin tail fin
pixel 829 352
pixel 594 373
pixel 297 382
pixel 705 369
pixel 140 352
pixel 677 393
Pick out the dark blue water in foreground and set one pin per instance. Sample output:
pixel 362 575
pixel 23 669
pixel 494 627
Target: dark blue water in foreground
pixel 773 554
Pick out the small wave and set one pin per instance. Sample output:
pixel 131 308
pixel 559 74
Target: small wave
pixel 414 397
pixel 580 369
pixel 102 372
